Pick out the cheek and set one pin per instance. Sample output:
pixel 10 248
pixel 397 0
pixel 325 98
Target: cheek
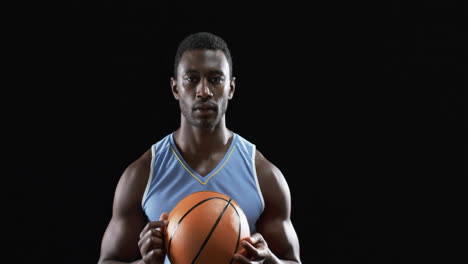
pixel 184 101
pixel 225 92
pixel 186 94
pixel 223 102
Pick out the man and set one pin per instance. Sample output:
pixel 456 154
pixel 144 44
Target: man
pixel 202 154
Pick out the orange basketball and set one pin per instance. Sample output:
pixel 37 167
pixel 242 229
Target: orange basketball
pixel 205 228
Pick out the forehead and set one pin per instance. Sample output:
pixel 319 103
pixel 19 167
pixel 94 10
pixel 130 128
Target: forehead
pixel 203 60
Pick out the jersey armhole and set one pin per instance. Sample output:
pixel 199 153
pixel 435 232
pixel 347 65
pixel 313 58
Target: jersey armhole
pixel 148 184
pixel 254 168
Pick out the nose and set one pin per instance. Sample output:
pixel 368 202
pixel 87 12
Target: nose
pixel 204 89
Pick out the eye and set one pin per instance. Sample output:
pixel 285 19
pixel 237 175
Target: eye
pixel 191 79
pixel 217 79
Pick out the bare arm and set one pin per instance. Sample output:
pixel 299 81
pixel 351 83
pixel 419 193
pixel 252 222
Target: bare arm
pixel 276 241
pixel 120 241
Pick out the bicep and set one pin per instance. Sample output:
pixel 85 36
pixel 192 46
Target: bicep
pixel 120 240
pixel 275 223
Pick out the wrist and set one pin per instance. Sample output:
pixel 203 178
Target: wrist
pixel 271 258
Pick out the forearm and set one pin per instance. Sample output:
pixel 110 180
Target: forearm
pixel 273 259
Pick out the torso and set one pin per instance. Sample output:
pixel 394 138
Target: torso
pixel 173 176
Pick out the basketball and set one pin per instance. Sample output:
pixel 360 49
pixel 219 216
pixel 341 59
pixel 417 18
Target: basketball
pixel 205 227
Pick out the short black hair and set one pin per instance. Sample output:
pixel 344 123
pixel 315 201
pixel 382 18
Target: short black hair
pixel 202 40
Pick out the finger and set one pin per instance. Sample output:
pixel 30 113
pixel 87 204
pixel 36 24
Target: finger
pixel 164 216
pixel 150 233
pixel 154 255
pixel 157 224
pixel 238 258
pixel 144 231
pixel 153 225
pixel 144 246
pixel 242 251
pixel 151 243
pixel 255 238
pixel 251 250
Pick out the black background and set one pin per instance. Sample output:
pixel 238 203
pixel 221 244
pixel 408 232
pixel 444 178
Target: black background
pixel 359 105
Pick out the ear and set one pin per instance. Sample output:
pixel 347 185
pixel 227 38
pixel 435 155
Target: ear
pixel 174 89
pixel 232 88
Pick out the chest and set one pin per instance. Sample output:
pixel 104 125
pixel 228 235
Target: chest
pixel 203 165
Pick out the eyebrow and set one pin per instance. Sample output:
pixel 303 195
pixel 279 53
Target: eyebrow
pixel 218 72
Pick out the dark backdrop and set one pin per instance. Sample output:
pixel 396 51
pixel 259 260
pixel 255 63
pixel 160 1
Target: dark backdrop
pixel 359 105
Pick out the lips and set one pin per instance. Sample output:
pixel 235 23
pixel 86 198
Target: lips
pixel 205 107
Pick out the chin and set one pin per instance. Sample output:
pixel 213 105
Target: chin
pixel 206 123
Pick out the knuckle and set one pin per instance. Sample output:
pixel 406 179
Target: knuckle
pixel 156 233
pixel 143 232
pixel 156 253
pixel 156 241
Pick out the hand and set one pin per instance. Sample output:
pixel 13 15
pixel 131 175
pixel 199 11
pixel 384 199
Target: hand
pixel 255 250
pixel 151 242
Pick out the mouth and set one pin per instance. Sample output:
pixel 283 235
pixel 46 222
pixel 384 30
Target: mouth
pixel 205 107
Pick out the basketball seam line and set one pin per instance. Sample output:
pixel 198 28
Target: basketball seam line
pixel 239 232
pixel 211 231
pixel 182 218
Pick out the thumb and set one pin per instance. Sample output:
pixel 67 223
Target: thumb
pixel 164 216
pixel 254 239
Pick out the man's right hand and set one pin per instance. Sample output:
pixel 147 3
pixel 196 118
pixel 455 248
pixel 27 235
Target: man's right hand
pixel 151 242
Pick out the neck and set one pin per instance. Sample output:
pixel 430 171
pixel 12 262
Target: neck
pixel 198 140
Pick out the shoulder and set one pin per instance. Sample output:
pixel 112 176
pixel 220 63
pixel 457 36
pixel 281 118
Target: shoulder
pixel 274 187
pixel 266 170
pixel 162 144
pixel 139 170
pixel 133 181
pixel 139 167
pixel 246 147
pixel 137 173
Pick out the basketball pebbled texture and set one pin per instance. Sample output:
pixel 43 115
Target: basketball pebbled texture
pixel 205 228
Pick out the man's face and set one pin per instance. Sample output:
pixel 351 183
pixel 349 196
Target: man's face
pixel 203 87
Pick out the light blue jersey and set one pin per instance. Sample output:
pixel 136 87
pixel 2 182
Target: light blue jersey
pixel 171 179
